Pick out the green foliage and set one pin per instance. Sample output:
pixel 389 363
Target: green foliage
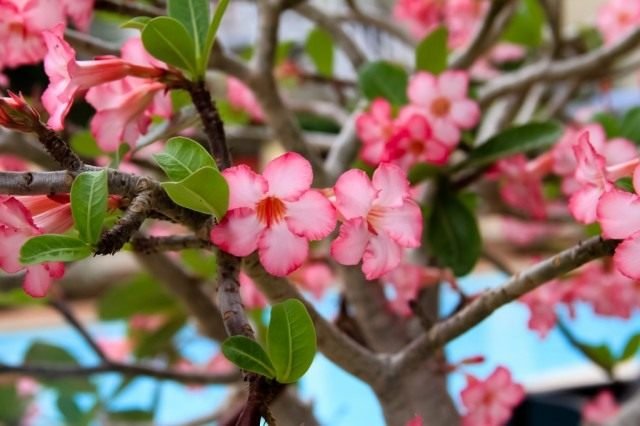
pixel 631 348
pixel 421 172
pixel 160 341
pixel 17 297
pixel 248 355
pixel 53 248
pixel 194 16
pixel 630 125
pixel 142 295
pixel 89 194
pixel 85 145
pixel 212 31
pixel 452 232
pixel 384 79
pixel 137 23
pixel 205 191
pixel 41 353
pixel 515 140
pixel 319 47
pixel 609 122
pixel 526 26
pixel 13 405
pixel 291 340
pixel 431 53
pixel 168 40
pixel 183 157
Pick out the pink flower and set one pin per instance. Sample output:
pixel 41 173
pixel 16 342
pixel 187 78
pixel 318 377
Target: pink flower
pixel 16 227
pixel 276 213
pixel 600 409
pixel 421 16
pixel 522 185
pixel 69 77
pixel 117 349
pixel 80 12
pixel 374 127
pixel 462 17
pixel 407 280
pixel 242 98
pixel 379 219
pixel 445 102
pixel 17 114
pixel 51 214
pixel 314 277
pixel 22 23
pixel 542 304
pixel 490 402
pixel 617 17
pixel 11 163
pixel 252 298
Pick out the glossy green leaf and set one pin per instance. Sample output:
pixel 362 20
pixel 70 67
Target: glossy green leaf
pixel 452 232
pixel 141 295
pixel 248 355
pixel 291 340
pixel 515 140
pixel 630 125
pixel 631 348
pixel 319 47
pixel 527 25
pixel 431 53
pixel 89 194
pixel 183 157
pixel 205 191
pixel 53 248
pixel 212 31
pixel 137 23
pixel 384 79
pixel 194 15
pixel 167 39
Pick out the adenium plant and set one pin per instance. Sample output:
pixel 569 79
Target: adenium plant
pixel 385 180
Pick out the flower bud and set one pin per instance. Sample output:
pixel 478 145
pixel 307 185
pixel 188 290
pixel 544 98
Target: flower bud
pixel 17 114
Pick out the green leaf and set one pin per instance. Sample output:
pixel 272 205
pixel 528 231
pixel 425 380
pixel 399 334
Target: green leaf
pixel 609 122
pixel 204 191
pixel 630 125
pixel 194 15
pixel 421 172
pixel 431 53
pixel 137 23
pixel 41 353
pixel 452 233
pixel 13 405
pixel 600 354
pixel 53 248
pixel 183 157
pixel 202 262
pixel 142 295
pixel 319 47
pixel 89 194
pixel 631 348
pixel 248 355
pixel 520 139
pixel 167 39
pixel 383 79
pixel 71 411
pixel 85 145
pixel 211 33
pixel 131 416
pixel 17 297
pixel 291 340
pixel 526 26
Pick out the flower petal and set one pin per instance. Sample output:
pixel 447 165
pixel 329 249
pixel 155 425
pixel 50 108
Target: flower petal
pixel 238 232
pixel 288 176
pixel 349 247
pixel 10 242
pixel 354 194
pixel 281 251
pixel 453 84
pixel 422 88
pixel 627 257
pixel 392 185
pixel 465 113
pixel 619 214
pixel 246 187
pixel 583 204
pixel 446 132
pixel 312 216
pixel 403 223
pixel 37 281
pixel 381 255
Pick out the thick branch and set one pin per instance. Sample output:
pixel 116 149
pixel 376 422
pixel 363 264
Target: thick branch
pixel 150 245
pixel 483 306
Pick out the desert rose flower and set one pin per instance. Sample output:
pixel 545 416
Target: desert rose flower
pixel 617 17
pixel 374 127
pixel 242 98
pixel 600 409
pixel 80 12
pixel 17 114
pixel 490 402
pixel 275 213
pixel 379 219
pixel 252 298
pixel 421 16
pixel 542 303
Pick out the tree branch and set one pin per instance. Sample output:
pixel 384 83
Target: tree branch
pixel 151 245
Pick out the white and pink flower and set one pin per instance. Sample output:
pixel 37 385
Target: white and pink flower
pixel 374 128
pixel 601 409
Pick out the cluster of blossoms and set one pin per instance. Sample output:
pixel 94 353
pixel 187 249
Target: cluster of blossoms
pixel 427 130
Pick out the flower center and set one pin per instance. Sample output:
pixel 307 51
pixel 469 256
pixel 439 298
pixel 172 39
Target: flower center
pixel 270 210
pixel 416 147
pixel 440 107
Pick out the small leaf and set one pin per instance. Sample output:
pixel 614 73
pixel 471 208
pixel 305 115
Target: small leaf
pixel 204 191
pixel 630 125
pixel 137 23
pixel 291 340
pixel 520 139
pixel 631 348
pixel 526 25
pixel 85 145
pixel 319 47
pixel 211 33
pixel 609 122
pixel 248 355
pixel 431 53
pixel 183 157
pixel 194 15
pixel 383 79
pixel 452 233
pixel 53 248
pixel 167 39
pixel 89 194
pixel 600 354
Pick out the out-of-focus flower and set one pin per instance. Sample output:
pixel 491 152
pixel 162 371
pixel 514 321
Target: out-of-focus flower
pixel 374 127
pixel 542 303
pixel 421 16
pixel 252 298
pixel 617 18
pixel 242 98
pixel 601 409
pixel 314 277
pixel 80 12
pixel 17 114
pixel 407 280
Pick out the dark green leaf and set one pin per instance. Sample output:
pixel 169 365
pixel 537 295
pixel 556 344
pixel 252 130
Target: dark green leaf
pixel 527 24
pixel 630 125
pixel 422 171
pixel 71 411
pixel 194 15
pixel 625 183
pixel 205 191
pixel 515 140
pixel 89 194
pixel 41 353
pixel 291 340
pixel 53 248
pixel 131 416
pixel 136 23
pixel 212 31
pixel 383 79
pixel 248 355
pixel 431 53
pixel 167 39
pixel 453 234
pixel 183 157
pixel 319 47
pixel 631 348
pixel 609 122
pixel 142 295
pixel 12 405
pixel 600 354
